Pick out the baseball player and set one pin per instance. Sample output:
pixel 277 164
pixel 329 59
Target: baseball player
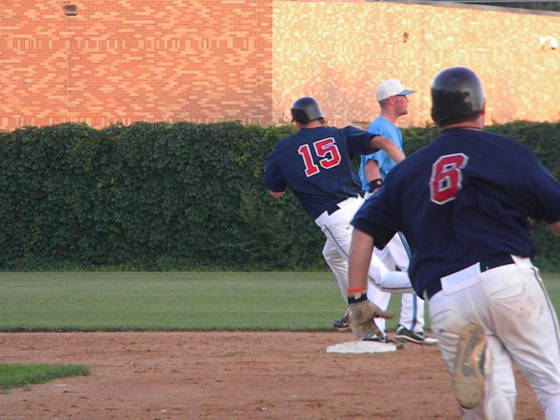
pixel 463 202
pixel 393 101
pixel 315 164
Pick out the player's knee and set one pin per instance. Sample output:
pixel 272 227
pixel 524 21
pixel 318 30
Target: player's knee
pixel 330 254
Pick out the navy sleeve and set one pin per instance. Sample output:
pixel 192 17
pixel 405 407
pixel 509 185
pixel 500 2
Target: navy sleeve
pixel 545 191
pixel 358 141
pixel 529 188
pixel 272 177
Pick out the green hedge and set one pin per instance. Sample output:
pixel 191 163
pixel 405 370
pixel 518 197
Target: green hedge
pixel 176 196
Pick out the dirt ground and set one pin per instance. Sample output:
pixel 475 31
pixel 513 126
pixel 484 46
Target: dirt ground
pixel 231 375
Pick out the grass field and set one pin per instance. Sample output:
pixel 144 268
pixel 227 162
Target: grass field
pixel 84 301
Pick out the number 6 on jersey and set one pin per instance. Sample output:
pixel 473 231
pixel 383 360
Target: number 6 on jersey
pixel 447 177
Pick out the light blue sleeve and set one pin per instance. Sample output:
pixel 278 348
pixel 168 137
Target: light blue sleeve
pixel 381 127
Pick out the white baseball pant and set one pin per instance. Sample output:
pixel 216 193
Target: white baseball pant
pixel 512 305
pixel 338 230
pixel 412 306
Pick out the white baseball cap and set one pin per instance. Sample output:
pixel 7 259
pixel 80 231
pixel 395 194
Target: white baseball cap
pixel 391 87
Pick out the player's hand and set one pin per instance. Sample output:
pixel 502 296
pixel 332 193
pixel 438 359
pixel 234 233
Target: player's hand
pixel 361 313
pixel 276 195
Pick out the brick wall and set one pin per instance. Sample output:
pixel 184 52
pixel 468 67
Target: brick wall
pixel 339 52
pixel 209 60
pixel 128 60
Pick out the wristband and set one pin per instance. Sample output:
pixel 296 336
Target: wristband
pixel 356 289
pixel 357 298
pixel 356 294
pixel 375 184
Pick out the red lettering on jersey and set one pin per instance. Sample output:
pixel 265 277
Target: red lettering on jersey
pixel 310 168
pixel 326 149
pixel 447 177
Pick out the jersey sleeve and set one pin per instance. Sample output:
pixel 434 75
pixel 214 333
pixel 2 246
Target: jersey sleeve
pixel 518 180
pixel 371 156
pixel 545 192
pixel 272 176
pixel 378 130
pixel 358 141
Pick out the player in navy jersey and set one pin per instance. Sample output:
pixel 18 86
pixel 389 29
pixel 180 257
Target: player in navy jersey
pixel 315 164
pixel 464 203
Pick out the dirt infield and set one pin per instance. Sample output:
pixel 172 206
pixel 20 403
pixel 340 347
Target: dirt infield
pixel 231 375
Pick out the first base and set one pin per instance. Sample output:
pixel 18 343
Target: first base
pixel 359 347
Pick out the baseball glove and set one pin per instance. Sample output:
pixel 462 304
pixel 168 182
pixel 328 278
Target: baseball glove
pixel 361 313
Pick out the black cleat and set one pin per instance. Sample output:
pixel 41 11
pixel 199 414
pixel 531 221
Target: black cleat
pixel 385 340
pixel 404 334
pixel 341 324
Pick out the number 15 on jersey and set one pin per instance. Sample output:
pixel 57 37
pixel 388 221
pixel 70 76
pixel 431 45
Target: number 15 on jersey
pixel 326 149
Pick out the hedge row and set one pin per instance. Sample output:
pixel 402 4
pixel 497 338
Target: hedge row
pixel 176 196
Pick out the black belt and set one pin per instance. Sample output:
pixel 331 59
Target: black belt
pixel 485 265
pixel 334 207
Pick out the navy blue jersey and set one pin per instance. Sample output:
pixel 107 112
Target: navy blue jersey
pixel 463 198
pixel 315 163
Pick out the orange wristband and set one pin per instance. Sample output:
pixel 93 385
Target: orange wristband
pixel 356 289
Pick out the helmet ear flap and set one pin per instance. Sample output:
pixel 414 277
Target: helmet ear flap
pixel 456 93
pixel 305 110
pixel 299 115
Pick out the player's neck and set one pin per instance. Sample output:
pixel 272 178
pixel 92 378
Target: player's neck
pixel 466 125
pixel 313 124
pixel 389 116
pixel 462 127
pixel 476 124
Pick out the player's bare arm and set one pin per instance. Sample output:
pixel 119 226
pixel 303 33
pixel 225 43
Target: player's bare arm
pixel 361 249
pixel 555 228
pixel 361 311
pixel 371 170
pixel 372 174
pixel 383 143
pixel 276 195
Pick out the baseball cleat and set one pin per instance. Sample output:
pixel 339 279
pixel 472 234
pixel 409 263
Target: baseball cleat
pixel 404 334
pixel 341 324
pixel 385 340
pixel 468 375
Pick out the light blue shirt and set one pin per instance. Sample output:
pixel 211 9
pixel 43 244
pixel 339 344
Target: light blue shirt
pixel 387 129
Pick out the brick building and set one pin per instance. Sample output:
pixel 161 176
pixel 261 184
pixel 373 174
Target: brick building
pixel 208 60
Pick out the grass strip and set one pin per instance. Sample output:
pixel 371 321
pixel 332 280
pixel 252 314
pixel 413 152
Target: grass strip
pixel 18 375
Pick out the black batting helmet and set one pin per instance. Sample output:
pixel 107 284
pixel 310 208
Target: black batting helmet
pixel 306 109
pixel 456 92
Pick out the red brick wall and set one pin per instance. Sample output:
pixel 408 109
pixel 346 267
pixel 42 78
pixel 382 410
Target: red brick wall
pixel 128 60
pixel 210 60
pixel 338 52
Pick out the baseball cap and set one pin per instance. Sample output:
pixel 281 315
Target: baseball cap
pixel 391 87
